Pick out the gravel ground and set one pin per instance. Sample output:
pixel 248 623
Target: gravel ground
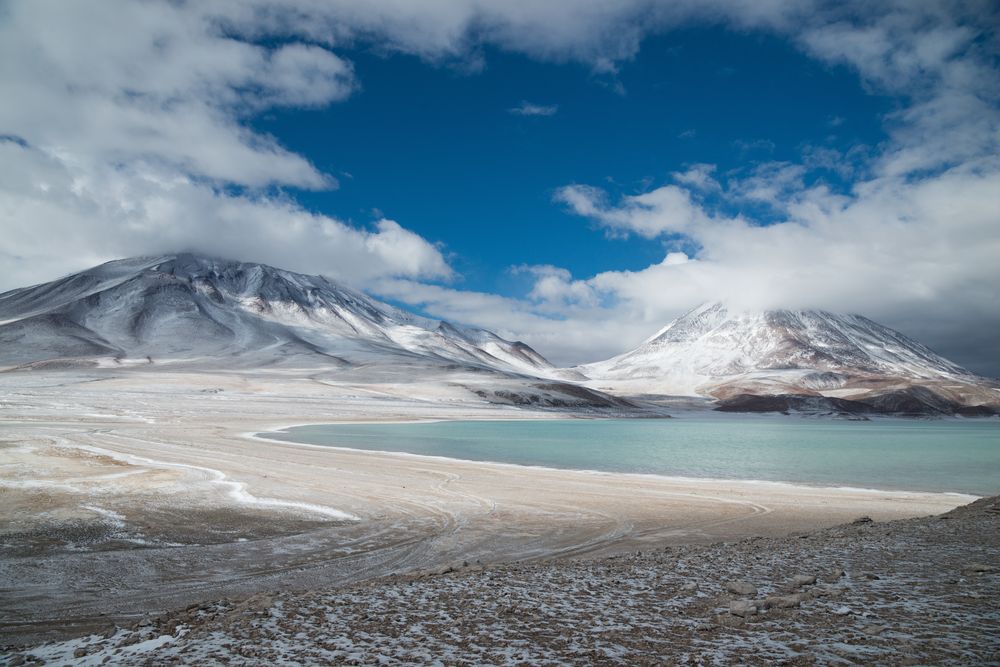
pixel 919 591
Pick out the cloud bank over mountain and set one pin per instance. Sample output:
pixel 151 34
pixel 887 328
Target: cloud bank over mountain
pixel 127 130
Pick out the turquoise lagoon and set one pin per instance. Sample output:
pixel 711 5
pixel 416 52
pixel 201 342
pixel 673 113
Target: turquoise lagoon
pixel 892 454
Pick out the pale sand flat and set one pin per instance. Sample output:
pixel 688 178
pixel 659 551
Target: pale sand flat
pixel 201 509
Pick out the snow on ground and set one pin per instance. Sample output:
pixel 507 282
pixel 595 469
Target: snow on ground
pixel 920 591
pixel 801 350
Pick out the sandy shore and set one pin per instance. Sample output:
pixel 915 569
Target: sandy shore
pixel 131 493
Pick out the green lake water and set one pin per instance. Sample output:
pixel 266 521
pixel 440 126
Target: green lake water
pixel 892 454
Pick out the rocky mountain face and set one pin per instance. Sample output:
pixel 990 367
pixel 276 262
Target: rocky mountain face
pixel 782 360
pixel 180 309
pixel 194 312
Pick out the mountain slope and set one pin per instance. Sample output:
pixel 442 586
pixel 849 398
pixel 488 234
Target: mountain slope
pixel 732 356
pixel 184 308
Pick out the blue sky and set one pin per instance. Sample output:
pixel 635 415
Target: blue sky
pixel 438 148
pixel 782 154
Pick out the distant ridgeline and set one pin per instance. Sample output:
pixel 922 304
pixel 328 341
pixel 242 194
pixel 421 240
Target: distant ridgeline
pixel 190 311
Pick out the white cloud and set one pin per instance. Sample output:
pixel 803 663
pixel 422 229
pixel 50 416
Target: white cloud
pixel 529 109
pixel 128 135
pixel 900 243
pixel 698 177
pixel 666 209
pixel 913 242
pixel 134 122
pixel 554 285
pixel 119 82
pixel 579 332
pixel 59 218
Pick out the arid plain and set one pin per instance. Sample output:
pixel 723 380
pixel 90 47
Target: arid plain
pixel 130 493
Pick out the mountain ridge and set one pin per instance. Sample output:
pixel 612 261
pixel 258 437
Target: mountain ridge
pixel 188 307
pixel 806 357
pixel 190 311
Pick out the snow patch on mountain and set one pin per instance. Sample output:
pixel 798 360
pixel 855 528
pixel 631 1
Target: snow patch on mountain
pixel 811 349
pixel 186 307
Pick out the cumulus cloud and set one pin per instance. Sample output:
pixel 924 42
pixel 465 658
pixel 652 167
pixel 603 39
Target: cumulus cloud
pixel 913 240
pixel 698 177
pixel 529 109
pixel 577 333
pixel 666 209
pixel 125 130
pixel 555 285
pixel 125 124
pixel 58 218
pixel 901 243
pixel 120 82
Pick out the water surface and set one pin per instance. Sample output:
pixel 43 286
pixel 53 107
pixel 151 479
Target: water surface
pixel 891 454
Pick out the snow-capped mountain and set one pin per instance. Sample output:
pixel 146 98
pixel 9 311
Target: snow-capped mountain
pixel 182 308
pixel 195 312
pixel 717 352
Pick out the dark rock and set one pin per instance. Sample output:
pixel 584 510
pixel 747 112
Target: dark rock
pixel 783 601
pixel 800 580
pixel 743 608
pixel 834 576
pixel 978 568
pixel 741 588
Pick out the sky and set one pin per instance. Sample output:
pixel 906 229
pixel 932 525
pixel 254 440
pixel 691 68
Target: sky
pixel 572 174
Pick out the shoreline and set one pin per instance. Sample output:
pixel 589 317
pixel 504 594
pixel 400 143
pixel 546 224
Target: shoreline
pixel 180 537
pixel 284 429
pixel 677 479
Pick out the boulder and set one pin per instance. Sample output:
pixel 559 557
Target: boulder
pixel 783 601
pixel 743 608
pixel 978 568
pixel 741 588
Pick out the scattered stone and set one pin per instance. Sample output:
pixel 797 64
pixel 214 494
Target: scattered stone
pixel 977 568
pixel 742 608
pixel 925 609
pixel 862 520
pixel 783 601
pixel 741 588
pixel 834 576
pixel 80 652
pixel 827 591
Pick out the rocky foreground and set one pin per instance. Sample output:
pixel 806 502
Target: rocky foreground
pixel 920 591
